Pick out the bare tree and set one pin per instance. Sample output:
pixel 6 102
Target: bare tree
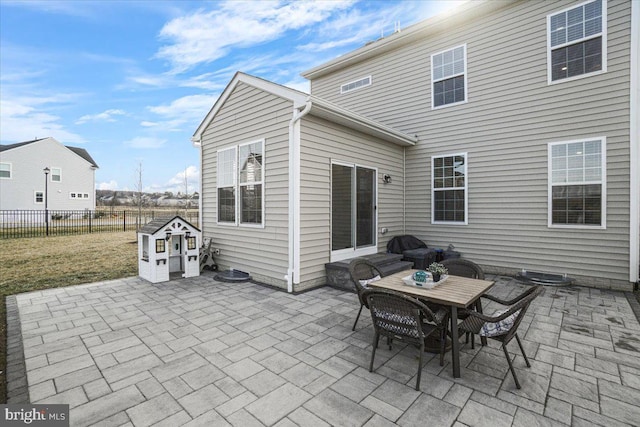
pixel 138 194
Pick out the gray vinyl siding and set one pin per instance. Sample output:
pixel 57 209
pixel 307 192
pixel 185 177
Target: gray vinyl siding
pixel 322 142
pixel 27 176
pixel 510 116
pixel 250 114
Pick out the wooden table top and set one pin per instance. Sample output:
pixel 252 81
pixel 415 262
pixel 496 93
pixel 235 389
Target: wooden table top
pixel 457 291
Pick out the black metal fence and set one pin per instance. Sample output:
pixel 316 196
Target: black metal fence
pixel 31 223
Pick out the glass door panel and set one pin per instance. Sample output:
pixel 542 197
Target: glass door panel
pixel 353 211
pixel 341 207
pixel 365 207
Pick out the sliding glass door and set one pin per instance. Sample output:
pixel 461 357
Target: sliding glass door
pixel 353 211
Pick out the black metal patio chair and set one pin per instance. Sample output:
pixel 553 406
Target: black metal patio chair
pixel 400 317
pixel 465 268
pixel 362 273
pixel 502 325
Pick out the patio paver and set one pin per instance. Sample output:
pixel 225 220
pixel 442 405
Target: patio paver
pixel 201 352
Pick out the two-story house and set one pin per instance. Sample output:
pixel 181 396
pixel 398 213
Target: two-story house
pixel 70 177
pixel 508 129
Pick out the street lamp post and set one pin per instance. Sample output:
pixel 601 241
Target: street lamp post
pixel 46 197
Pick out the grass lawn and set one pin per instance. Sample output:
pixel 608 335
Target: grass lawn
pixel 42 263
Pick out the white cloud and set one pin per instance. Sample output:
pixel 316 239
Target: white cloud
pixel 203 37
pixel 177 182
pixel 24 119
pixel 106 115
pixel 145 142
pixel 185 112
pixel 111 185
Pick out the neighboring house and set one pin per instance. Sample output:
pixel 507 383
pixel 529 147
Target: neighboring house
pixel 70 182
pixel 508 129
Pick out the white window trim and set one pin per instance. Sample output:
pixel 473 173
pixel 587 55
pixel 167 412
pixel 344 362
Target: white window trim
pixel 234 185
pixel 73 195
pixel 602 182
pixel 466 190
pixel 51 175
pixel 342 91
pixel 35 198
pixel 237 185
pixel 10 170
pixel 466 86
pixel 602 34
pixel 343 254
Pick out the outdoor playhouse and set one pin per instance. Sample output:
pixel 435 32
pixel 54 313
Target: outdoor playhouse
pixel 168 247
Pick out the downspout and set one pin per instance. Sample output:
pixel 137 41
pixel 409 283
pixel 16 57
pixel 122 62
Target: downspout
pixel 404 190
pixel 198 144
pixel 634 147
pixel 293 270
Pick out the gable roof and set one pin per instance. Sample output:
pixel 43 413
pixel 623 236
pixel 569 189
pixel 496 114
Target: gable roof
pixel 153 226
pixel 436 24
pixel 318 107
pixel 79 151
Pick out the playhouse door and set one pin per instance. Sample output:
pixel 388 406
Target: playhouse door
pixel 353 211
pixel 175 257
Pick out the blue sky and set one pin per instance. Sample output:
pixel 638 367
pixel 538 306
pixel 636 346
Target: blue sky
pixel 131 80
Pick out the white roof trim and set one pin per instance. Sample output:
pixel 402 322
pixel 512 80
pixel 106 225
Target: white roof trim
pixel 298 98
pixel 319 108
pixel 337 114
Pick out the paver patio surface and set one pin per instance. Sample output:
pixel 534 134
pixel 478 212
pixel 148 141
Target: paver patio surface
pixel 201 352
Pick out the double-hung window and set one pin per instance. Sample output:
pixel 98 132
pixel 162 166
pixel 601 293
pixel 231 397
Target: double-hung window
pixel 577 187
pixel 227 185
pixel 56 174
pixel 38 197
pixel 5 170
pixel 241 184
pixel 449 77
pixel 577 41
pixel 449 189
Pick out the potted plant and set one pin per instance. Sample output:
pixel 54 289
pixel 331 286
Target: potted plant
pixel 437 270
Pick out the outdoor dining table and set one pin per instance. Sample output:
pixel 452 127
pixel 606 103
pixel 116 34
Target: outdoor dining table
pixel 455 292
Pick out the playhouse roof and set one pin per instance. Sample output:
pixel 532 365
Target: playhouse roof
pixel 158 224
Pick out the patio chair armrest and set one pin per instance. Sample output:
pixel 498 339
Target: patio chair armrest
pixel 512 300
pixel 493 319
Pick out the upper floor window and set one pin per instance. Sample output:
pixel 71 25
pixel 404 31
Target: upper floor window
pixel 56 174
pixel 449 77
pixel 357 84
pixel 241 172
pixel 5 170
pixel 449 189
pixel 577 41
pixel 576 183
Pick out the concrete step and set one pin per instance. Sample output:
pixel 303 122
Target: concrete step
pixel 388 269
pixel 338 272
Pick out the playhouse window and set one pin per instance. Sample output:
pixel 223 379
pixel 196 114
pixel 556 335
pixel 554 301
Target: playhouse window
pixel 160 246
pixel 191 242
pixel 145 248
